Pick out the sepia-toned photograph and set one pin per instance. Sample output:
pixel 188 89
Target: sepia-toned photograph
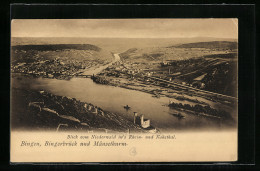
pixel 154 80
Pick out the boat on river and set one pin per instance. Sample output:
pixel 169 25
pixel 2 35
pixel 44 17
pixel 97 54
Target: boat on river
pixel 156 95
pixel 127 107
pixel 178 115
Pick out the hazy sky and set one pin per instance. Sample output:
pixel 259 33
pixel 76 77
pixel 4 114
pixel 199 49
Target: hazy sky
pixel 129 28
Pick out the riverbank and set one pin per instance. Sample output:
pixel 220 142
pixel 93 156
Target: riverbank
pixel 215 108
pixel 69 74
pixel 153 89
pixel 40 110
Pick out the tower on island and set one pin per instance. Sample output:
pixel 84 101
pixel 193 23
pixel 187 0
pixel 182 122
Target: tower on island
pixel 140 120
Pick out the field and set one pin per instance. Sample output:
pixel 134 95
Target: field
pixel 210 66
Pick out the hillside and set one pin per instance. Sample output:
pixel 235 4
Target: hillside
pixel 216 75
pixel 116 45
pixel 55 47
pixel 210 66
pixel 47 111
pixel 57 59
pixel 66 53
pixel 210 45
pixel 179 52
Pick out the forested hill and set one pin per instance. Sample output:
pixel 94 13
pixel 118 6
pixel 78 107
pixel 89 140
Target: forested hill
pixel 54 47
pixel 210 45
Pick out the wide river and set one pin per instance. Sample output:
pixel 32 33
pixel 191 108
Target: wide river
pixel 113 99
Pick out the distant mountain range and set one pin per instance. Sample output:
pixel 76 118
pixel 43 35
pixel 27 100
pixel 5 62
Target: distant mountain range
pixel 210 45
pixel 54 47
pixel 181 51
pixel 116 45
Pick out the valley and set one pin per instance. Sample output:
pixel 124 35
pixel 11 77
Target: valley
pixel 194 78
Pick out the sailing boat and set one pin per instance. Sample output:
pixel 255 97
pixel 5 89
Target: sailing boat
pixel 127 107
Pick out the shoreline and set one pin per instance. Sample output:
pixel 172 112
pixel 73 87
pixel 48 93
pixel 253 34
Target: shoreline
pixel 156 91
pixel 52 112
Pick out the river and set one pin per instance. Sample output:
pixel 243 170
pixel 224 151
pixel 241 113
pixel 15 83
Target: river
pixel 113 99
pixel 91 71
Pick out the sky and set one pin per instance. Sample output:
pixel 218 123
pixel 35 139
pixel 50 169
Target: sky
pixel 125 28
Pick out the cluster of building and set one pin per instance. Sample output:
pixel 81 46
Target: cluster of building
pixel 51 68
pixel 127 70
pixel 142 72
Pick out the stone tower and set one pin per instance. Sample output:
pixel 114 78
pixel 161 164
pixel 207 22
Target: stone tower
pixel 135 115
pixel 142 119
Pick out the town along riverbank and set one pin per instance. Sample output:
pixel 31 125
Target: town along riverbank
pixel 40 110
